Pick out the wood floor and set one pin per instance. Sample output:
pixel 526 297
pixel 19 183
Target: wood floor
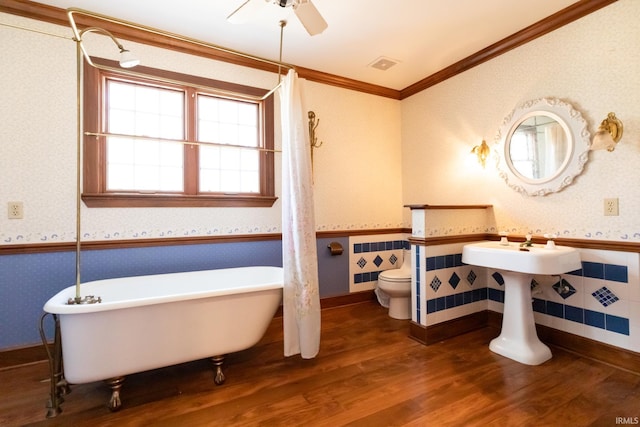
pixel 368 373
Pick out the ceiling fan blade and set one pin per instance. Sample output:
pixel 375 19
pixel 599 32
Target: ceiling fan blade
pixel 246 12
pixel 310 18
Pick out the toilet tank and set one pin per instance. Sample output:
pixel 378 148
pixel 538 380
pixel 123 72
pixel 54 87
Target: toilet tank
pixel 406 259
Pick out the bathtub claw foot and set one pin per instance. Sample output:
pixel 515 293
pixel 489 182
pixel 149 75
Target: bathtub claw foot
pixel 53 408
pixel 63 387
pixel 115 384
pixel 219 378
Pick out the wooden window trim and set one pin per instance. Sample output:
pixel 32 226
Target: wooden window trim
pixel 94 192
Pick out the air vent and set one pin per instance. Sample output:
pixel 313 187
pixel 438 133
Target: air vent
pixel 383 63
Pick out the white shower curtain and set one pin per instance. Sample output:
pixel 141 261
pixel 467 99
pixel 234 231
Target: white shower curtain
pixel 301 299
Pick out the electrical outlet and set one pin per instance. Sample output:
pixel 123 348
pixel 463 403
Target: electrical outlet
pixel 15 210
pixel 611 207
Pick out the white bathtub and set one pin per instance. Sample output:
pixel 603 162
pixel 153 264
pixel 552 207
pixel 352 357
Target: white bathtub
pixel 149 322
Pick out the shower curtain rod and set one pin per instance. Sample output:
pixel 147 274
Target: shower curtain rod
pixel 179 141
pixel 77 37
pixel 132 73
pixel 33 30
pixel 82 53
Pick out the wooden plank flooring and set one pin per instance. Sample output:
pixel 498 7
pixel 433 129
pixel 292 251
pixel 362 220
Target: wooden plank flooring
pixel 368 373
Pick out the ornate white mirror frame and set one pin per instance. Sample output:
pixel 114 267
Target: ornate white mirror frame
pixel 544 126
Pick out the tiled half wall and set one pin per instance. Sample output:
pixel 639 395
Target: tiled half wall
pixel 371 255
pixel 600 302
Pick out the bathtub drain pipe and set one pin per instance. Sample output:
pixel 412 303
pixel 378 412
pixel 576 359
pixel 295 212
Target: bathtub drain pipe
pixel 59 386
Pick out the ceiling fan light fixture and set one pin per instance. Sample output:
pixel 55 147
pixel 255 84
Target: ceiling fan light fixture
pixel 305 11
pixel 309 16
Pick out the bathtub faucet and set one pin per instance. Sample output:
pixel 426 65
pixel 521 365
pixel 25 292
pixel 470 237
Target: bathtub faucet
pixel 89 299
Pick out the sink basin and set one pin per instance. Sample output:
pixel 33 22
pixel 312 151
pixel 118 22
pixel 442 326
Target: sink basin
pixel 518 338
pixel 537 259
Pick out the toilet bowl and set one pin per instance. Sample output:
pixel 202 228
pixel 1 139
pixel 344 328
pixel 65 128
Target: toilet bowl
pixel 396 285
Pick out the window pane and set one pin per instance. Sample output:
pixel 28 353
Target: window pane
pixel 120 151
pixel 228 111
pixel 208 131
pixel 225 121
pixel 120 95
pixel 119 177
pixel 229 181
pixel 147 99
pixel 208 107
pixel 122 121
pixel 250 182
pixel 247 114
pixel 210 157
pixel 228 134
pixel 171 127
pixel 171 178
pixel 147 124
pixel 140 164
pixel 230 158
pixel 210 180
pixel 171 103
pixel 247 135
pixel 171 154
pixel 146 177
pixel 250 160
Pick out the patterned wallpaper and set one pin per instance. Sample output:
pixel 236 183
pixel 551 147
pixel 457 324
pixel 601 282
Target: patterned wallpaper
pixel 357 170
pixel 590 63
pixel 378 154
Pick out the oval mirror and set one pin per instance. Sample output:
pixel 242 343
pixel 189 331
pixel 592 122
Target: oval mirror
pixel 542 146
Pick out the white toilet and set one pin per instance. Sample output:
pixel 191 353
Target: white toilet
pixel 396 285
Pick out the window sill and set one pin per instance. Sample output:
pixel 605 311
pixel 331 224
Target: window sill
pixel 176 201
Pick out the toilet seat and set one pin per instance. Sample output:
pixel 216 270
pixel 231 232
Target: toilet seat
pixel 395 275
pixel 395 286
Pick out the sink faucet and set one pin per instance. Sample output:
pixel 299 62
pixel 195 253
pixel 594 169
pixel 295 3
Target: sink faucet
pixel 527 242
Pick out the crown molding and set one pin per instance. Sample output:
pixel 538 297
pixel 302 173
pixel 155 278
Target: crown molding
pixel 561 18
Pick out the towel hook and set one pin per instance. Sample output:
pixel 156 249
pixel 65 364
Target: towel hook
pixel 313 124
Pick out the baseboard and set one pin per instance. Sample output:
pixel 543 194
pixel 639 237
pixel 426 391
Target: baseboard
pixel 615 356
pixel 352 298
pixel 37 353
pixel 22 356
pixel 432 334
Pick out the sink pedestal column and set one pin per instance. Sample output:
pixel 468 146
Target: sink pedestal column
pixel 518 339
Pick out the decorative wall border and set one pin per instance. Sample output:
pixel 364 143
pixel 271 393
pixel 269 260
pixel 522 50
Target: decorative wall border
pixel 175 241
pixel 196 240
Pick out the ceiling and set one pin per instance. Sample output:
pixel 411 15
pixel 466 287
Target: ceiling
pixel 422 36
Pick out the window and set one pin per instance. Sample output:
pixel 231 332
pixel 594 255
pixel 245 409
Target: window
pixel 138 158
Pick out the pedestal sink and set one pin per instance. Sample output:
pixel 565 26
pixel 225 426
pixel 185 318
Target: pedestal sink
pixel 518 339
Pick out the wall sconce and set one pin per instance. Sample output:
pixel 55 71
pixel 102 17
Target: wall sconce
pixel 482 151
pixel 608 134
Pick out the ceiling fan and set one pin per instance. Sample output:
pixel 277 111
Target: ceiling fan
pixel 306 12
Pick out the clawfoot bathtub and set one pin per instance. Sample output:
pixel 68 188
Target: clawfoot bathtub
pixel 149 322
